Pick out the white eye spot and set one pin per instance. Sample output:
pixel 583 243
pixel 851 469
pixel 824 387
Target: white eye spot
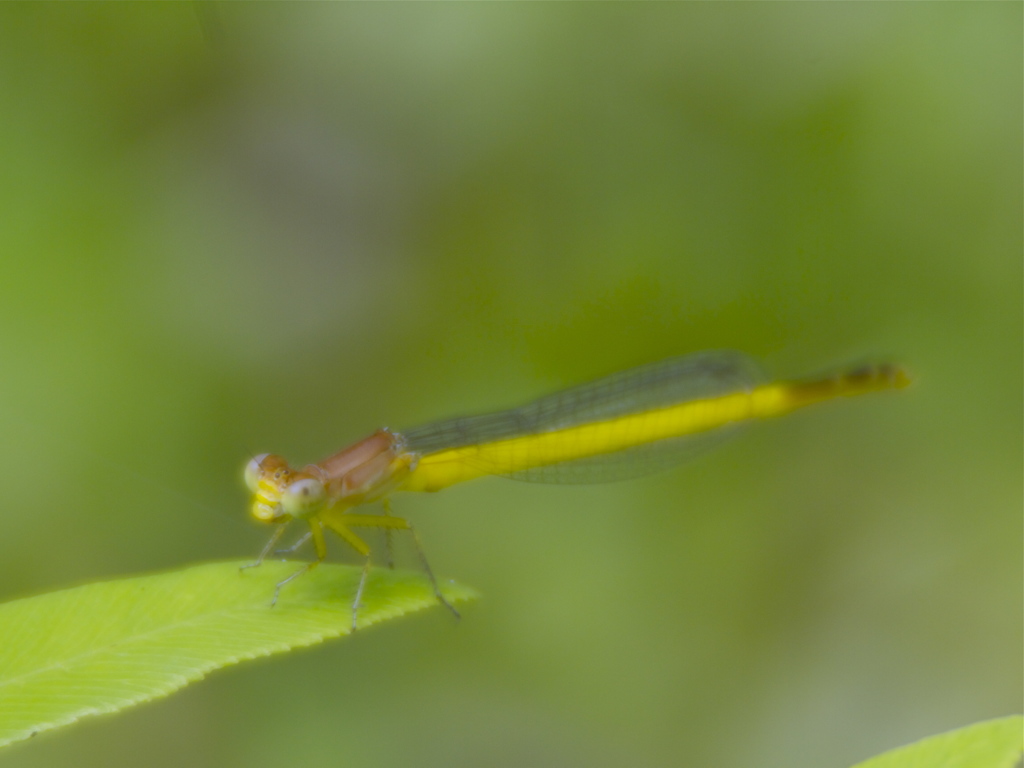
pixel 253 472
pixel 303 497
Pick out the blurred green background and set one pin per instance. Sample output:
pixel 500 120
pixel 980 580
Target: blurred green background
pixel 243 228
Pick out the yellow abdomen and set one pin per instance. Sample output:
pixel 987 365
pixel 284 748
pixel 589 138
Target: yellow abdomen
pixel 651 427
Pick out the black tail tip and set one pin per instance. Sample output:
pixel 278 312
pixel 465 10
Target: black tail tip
pixel 890 374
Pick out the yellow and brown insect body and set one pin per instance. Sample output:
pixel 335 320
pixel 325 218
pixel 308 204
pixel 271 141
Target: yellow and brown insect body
pixel 366 471
pixel 624 425
pixel 360 474
pixel 322 495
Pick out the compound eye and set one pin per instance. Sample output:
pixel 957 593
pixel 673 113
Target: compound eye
pixel 253 472
pixel 303 497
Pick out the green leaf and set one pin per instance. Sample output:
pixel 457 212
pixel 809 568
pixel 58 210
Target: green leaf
pixel 103 647
pixel 991 744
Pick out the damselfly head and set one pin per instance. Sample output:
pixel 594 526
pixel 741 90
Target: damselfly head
pixel 267 476
pixel 260 467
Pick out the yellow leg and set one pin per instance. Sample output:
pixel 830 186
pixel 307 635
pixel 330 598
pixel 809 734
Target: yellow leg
pixel 359 592
pixel 339 526
pixel 266 550
pixel 388 522
pixel 316 530
pixel 388 548
pixel 372 521
pixel 360 546
pixel 289 549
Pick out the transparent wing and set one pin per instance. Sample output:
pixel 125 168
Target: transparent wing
pixel 635 391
